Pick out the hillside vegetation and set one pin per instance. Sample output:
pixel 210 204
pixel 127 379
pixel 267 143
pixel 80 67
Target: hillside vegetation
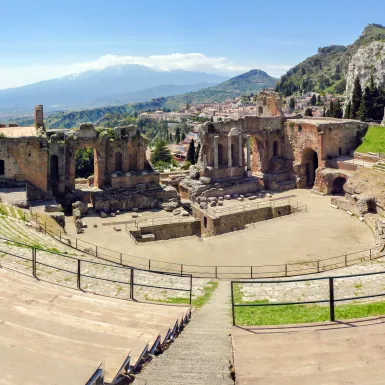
pixel 374 140
pixel 326 70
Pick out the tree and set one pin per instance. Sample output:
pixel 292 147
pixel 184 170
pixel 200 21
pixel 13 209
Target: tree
pixel 84 162
pixel 197 152
pixel 337 110
pixel 356 98
pixel 183 136
pixel 362 112
pixel 170 137
pixel 319 99
pixel 177 135
pixel 191 152
pixel 348 111
pixel 313 100
pixel 292 103
pixel 309 112
pixel 161 152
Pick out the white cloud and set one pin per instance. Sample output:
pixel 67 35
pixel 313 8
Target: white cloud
pixel 18 76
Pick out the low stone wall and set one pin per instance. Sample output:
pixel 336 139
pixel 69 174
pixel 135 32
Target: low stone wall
pixel 129 180
pixel 336 164
pixel 171 230
pixel 214 225
pixel 370 157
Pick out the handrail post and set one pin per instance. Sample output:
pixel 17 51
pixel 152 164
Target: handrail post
pixel 60 235
pixel 346 259
pixel 232 303
pixel 45 228
pixel 251 272
pixel 149 265
pixel 331 299
pixel 34 262
pixel 96 251
pixel 121 258
pixel 318 266
pixel 132 284
pixel 216 272
pixel 370 254
pixel 190 289
pixel 181 269
pixel 285 269
pixel 78 281
pixel 76 243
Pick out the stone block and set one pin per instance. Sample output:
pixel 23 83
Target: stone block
pixel 117 212
pixel 203 205
pixel 117 228
pixel 205 180
pixel 103 214
pixel 220 203
pixel 228 197
pixel 253 197
pixel 135 215
pixel 240 199
pixel 213 204
pixel 113 214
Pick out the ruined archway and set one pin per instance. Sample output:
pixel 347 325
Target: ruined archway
pixel 2 167
pixel 118 161
pixel 338 186
pixel 310 159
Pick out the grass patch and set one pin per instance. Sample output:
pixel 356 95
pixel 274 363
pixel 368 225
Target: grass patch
pixel 196 302
pixel 374 140
pixel 292 314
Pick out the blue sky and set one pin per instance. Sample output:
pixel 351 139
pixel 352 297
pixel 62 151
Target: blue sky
pixel 43 39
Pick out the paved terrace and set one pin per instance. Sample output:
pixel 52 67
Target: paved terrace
pixel 339 353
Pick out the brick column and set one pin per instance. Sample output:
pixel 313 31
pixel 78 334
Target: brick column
pixel 216 141
pixel 229 157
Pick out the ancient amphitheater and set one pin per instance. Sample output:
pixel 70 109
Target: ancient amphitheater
pixel 263 264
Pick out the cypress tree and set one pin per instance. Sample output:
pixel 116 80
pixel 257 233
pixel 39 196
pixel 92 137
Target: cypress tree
pixel 337 109
pixel 170 137
pixel 356 98
pixel 177 135
pixel 197 152
pixel 183 136
pixel 191 152
pixel 313 100
pixel 348 110
pixel 319 99
pixel 292 103
pixel 362 113
pixel 331 109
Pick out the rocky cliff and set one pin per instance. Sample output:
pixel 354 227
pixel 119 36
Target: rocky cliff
pixel 368 60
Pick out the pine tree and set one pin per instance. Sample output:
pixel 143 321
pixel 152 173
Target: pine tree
pixel 196 157
pixel 161 152
pixel 177 135
pixel 292 103
pixel 313 100
pixel 191 152
pixel 356 98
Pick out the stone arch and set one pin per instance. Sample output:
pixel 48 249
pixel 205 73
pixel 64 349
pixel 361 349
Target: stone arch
pixel 118 161
pixel 338 186
pixel 54 168
pixel 275 148
pixel 2 167
pixel 310 160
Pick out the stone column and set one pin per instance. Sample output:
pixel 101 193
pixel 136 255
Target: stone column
pixel 229 155
pixel 216 142
pixel 240 146
pixel 248 153
pixel 204 162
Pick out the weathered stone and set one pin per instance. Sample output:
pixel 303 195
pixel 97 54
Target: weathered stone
pixel 117 212
pixel 135 215
pixel 253 197
pixel 193 172
pixel 220 203
pixel 170 206
pixel 240 199
pixel 205 180
pixel 103 214
pixel 203 205
pixel 117 228
pixel 113 214
pixel 228 197
pixel 213 203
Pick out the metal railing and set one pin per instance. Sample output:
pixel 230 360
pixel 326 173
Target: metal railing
pixel 82 269
pixel 331 300
pixel 209 271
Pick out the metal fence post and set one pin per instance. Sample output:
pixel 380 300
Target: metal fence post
pixel 216 272
pixel 96 251
pixel 132 284
pixel 78 283
pixel 121 258
pixel 190 288
pixel 346 260
pixel 232 303
pixel 251 271
pixel 149 265
pixel 370 254
pixel 76 243
pixel 181 269
pixel 331 299
pixel 318 266
pixel 34 262
pixel 286 269
pixel 60 235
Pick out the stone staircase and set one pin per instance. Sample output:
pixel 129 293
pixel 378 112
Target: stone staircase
pixel 379 166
